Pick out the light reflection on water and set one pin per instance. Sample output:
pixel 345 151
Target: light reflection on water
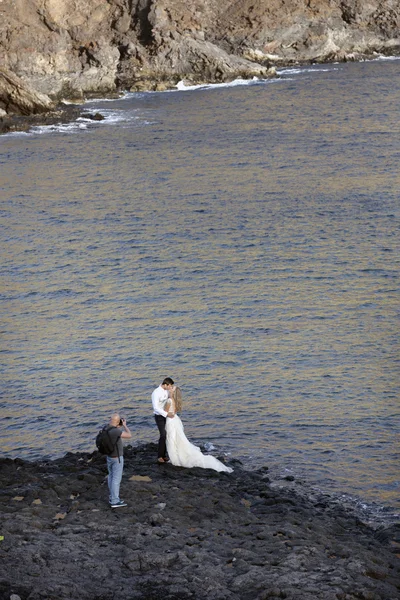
pixel 243 241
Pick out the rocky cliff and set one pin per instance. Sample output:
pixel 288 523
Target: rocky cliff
pixel 73 48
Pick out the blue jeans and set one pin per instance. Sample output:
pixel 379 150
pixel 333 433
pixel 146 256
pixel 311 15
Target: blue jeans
pixel 115 468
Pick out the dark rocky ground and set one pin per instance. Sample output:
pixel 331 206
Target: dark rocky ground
pixel 187 534
pixel 64 113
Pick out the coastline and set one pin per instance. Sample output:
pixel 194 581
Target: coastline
pixel 186 533
pixel 61 115
pixel 66 112
pixel 63 50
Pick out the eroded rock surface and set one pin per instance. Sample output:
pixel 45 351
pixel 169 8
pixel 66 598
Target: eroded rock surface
pixel 16 96
pixel 185 534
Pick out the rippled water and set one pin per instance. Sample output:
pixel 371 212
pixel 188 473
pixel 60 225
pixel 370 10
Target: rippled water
pixel 243 240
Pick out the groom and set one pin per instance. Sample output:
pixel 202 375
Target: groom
pixel 159 398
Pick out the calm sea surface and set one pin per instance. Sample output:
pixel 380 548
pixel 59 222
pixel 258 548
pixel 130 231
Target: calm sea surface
pixel 243 240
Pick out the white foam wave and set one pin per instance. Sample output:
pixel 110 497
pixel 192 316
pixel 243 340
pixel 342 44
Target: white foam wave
pixel 387 58
pixel 182 87
pixel 111 117
pixel 300 70
pixel 208 447
pixel 58 128
pixel 123 96
pixel 15 133
pixel 81 124
pixel 117 116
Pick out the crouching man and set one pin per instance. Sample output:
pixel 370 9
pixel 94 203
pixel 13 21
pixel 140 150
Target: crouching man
pixel 115 460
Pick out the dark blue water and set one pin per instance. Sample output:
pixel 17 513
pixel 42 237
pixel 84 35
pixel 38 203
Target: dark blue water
pixel 243 240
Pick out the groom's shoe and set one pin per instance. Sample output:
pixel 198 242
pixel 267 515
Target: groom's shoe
pixel 161 460
pixel 166 459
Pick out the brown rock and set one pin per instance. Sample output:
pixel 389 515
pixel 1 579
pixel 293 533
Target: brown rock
pixel 18 97
pixel 71 48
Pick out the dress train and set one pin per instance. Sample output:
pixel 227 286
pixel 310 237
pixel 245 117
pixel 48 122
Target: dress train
pixel 183 453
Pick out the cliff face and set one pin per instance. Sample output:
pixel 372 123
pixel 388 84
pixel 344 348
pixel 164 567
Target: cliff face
pixel 69 48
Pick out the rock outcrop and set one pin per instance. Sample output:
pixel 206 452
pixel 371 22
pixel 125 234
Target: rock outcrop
pixel 74 48
pixel 17 96
pixel 186 534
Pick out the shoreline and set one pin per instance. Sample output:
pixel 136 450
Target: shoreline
pixel 186 533
pixel 62 115
pixel 375 512
pixel 67 111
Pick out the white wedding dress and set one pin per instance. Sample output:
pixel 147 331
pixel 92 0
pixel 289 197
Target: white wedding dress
pixel 184 454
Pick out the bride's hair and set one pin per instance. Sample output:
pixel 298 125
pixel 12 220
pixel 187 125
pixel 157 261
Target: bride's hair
pixel 177 395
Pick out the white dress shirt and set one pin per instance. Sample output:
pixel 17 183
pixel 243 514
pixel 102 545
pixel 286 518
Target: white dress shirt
pixel 159 398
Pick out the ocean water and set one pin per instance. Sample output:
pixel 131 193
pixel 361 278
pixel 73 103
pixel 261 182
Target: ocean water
pixel 242 239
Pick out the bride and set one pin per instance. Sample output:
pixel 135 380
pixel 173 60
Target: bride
pixel 180 451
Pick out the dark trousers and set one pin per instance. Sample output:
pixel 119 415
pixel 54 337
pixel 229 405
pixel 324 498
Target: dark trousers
pixel 162 442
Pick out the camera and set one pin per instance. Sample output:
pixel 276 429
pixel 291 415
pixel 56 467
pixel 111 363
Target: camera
pixel 120 423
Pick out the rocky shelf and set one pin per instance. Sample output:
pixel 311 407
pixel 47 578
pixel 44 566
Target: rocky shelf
pixel 186 534
pixel 61 114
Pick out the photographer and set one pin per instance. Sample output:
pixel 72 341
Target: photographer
pixel 115 461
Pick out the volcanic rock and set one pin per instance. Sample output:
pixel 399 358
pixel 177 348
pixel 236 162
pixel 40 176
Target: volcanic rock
pixel 186 534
